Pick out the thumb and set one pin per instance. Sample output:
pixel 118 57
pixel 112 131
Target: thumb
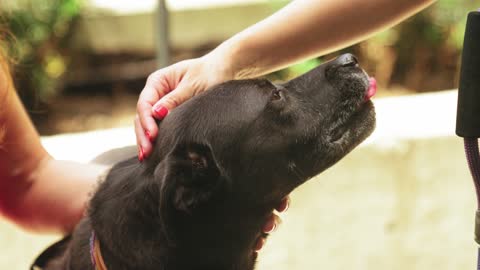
pixel 171 100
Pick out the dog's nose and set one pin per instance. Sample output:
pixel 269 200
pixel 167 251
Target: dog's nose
pixel 343 63
pixel 347 60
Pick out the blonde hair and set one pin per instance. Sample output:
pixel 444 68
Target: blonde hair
pixel 5 60
pixel 6 83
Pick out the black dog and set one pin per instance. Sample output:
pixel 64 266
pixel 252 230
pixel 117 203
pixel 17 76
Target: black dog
pixel 221 162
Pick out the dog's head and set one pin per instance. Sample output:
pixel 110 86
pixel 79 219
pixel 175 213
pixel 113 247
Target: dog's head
pixel 256 140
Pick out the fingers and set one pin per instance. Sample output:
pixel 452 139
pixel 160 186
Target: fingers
pixel 183 92
pixel 260 243
pixel 284 204
pixel 272 222
pixel 143 143
pixel 147 130
pixel 164 90
pixel 158 85
pixel 149 126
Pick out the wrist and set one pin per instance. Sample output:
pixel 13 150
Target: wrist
pixel 235 60
pixel 220 62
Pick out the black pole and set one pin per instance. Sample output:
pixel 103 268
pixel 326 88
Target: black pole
pixel 162 35
pixel 468 107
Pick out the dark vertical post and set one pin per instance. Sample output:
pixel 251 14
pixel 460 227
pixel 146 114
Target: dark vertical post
pixel 468 108
pixel 162 34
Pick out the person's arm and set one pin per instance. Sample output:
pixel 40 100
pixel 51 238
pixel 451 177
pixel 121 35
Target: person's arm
pixel 307 28
pixel 37 192
pixel 302 29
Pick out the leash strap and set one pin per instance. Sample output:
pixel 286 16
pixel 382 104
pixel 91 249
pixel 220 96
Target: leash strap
pixel 95 253
pixel 473 158
pixel 478 259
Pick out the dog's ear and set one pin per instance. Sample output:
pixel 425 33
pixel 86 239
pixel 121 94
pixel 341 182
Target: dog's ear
pixel 192 176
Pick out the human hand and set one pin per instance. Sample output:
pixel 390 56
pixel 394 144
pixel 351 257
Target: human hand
pixel 169 87
pixel 272 223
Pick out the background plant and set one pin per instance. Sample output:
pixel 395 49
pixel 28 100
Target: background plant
pixel 40 32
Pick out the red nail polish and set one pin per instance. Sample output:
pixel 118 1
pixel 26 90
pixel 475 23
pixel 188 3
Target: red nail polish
pixel 269 225
pixel 285 204
pixel 149 136
pixel 160 112
pixel 272 229
pixel 140 155
pixel 260 243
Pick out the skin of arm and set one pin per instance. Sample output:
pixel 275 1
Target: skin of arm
pixel 37 192
pixel 307 28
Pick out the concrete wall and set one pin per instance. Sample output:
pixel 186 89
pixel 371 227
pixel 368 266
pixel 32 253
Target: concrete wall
pixel 402 200
pixel 122 26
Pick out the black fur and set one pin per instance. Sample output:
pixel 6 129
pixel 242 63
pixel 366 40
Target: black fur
pixel 221 162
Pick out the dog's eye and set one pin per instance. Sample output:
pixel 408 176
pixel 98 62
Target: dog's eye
pixel 277 95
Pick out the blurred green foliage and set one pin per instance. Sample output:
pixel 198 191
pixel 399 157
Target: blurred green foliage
pixel 295 70
pixel 428 46
pixel 40 30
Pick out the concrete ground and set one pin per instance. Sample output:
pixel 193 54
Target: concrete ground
pixel 402 200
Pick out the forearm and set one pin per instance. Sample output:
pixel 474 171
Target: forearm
pixel 20 148
pixel 36 191
pixel 54 197
pixel 309 28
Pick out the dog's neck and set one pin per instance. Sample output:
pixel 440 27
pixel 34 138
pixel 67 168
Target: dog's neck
pixel 133 235
pixel 191 247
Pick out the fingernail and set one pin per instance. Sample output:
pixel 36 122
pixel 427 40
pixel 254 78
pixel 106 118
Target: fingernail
pixel 140 155
pixel 284 206
pixel 270 226
pixel 272 229
pixel 160 111
pixel 259 244
pixel 149 136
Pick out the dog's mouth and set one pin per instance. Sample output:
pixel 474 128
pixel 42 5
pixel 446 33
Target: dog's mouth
pixel 372 88
pixel 361 122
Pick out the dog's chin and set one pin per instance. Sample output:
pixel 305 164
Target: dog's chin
pixel 355 129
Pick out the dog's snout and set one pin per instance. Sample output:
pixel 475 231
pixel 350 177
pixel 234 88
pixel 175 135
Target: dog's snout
pixel 348 60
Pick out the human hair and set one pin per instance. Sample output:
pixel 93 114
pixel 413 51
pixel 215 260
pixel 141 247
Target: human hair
pixel 5 59
pixel 6 83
